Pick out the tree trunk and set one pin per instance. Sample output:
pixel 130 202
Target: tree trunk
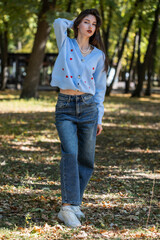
pixel 148 89
pixel 4 57
pixel 69 6
pixel 123 75
pixel 107 32
pixel 151 66
pixel 118 66
pixel 69 11
pixel 36 58
pixel 131 66
pixel 139 65
pixel 107 35
pixel 145 64
pixel 115 51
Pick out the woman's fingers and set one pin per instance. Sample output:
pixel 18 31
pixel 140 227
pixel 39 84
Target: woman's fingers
pixel 99 129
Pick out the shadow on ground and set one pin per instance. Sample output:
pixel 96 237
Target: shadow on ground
pixel 119 192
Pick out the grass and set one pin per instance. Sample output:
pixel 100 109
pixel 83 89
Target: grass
pixel 118 198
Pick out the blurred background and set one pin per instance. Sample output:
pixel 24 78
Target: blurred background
pixel 122 199
pixel 130 33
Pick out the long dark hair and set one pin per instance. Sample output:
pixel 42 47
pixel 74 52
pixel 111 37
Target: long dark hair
pixel 95 39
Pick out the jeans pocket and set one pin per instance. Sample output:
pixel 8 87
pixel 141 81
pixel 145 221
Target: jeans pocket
pixel 62 103
pixel 88 100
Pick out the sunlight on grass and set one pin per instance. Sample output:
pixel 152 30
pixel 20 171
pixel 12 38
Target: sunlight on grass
pixel 12 104
pixel 139 150
pixel 156 127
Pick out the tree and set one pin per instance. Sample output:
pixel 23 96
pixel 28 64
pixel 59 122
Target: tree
pixel 149 52
pixel 14 17
pixel 4 55
pixel 106 32
pixel 36 58
pixel 131 65
pixel 120 53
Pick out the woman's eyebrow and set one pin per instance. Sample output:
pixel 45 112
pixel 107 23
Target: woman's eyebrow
pixel 89 20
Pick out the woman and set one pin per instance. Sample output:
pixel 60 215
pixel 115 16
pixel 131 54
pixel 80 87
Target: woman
pixel 80 73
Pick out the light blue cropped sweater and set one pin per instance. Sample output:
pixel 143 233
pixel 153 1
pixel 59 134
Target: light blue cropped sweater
pixel 73 71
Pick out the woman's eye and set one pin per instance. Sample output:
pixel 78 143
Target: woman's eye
pixel 93 24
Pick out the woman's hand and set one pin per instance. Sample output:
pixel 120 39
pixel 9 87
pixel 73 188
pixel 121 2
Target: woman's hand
pixel 99 129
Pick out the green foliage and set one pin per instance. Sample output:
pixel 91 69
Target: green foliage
pixel 18 15
pixel 21 19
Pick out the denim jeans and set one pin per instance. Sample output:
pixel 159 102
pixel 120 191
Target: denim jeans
pixel 76 122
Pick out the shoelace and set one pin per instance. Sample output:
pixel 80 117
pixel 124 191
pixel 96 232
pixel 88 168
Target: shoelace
pixel 77 208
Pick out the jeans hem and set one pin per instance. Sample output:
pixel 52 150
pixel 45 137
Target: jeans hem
pixel 72 202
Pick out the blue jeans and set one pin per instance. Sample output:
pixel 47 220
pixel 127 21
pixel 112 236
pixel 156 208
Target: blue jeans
pixel 76 122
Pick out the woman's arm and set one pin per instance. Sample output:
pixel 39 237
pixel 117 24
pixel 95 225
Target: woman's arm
pixel 100 77
pixel 60 28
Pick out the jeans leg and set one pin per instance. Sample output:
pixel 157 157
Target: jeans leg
pixel 70 186
pixel 86 152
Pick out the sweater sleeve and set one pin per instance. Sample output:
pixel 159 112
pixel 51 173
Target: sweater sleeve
pixel 60 28
pixel 100 77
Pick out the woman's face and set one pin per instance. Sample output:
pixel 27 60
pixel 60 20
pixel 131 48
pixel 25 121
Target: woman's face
pixel 87 27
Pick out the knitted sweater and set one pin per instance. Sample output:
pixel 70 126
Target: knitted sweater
pixel 73 71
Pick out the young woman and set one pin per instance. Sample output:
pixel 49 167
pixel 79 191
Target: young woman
pixel 80 73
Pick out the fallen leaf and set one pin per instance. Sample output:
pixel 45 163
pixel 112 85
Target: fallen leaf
pixel 20 228
pixel 152 229
pixel 37 229
pixel 82 235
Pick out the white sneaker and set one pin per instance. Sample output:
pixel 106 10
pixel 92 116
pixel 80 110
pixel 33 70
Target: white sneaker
pixel 68 216
pixel 78 212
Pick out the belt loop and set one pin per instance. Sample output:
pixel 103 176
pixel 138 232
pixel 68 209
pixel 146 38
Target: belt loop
pixel 69 98
pixel 82 97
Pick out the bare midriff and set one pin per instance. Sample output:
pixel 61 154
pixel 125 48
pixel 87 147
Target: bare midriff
pixel 71 92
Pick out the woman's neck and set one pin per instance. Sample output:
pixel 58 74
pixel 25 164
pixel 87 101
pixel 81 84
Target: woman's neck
pixel 83 42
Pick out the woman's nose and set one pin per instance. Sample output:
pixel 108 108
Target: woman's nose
pixel 90 26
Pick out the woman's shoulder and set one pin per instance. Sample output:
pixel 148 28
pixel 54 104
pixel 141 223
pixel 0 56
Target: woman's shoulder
pixel 97 50
pixel 100 54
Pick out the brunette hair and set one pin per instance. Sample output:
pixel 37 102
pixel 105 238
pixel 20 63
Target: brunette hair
pixel 95 39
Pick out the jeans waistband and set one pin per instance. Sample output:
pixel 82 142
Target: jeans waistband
pixel 69 98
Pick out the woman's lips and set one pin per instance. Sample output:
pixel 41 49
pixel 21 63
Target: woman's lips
pixel 89 31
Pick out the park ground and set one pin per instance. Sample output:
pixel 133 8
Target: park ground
pixel 122 199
